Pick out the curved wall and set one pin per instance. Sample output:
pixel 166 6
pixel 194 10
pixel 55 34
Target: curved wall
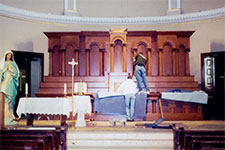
pixel 27 35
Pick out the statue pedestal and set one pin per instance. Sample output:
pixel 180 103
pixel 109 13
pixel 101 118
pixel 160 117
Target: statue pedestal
pixel 82 105
pixel 2 110
pixel 80 120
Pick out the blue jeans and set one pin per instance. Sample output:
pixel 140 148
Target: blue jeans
pixel 140 73
pixel 130 104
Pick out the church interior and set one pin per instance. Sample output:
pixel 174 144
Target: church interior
pixel 73 56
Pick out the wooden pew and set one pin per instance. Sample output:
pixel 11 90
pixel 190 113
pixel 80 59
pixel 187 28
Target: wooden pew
pixel 198 139
pixel 12 141
pixel 36 138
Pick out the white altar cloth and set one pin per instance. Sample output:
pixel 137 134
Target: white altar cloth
pixel 54 106
pixel 194 97
pixel 82 104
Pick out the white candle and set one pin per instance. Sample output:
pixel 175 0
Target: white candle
pixel 26 89
pixel 65 88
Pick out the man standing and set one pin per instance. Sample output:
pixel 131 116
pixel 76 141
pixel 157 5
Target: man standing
pixel 129 89
pixel 140 72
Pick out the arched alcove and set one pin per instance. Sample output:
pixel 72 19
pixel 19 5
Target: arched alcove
pixel 69 55
pixel 167 59
pixel 55 58
pixel 94 60
pixel 118 56
pixel 182 60
pixel 142 48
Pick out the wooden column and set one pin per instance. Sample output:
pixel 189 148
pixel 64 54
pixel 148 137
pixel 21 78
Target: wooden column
pixel 2 110
pixel 154 55
pixel 111 58
pixel 50 51
pixel 134 55
pixel 174 62
pixel 76 67
pixel 124 58
pixel 149 70
pixel 87 62
pixel 187 65
pixel 101 62
pixel 160 63
pixel 60 62
pixel 178 62
pixel 63 62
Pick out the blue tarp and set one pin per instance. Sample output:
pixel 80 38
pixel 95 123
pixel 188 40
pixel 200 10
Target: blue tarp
pixel 116 105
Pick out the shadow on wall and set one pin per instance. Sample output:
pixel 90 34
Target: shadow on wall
pixel 27 46
pixel 217 47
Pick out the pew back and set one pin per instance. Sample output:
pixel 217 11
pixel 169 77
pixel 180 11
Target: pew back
pixel 198 139
pixel 32 138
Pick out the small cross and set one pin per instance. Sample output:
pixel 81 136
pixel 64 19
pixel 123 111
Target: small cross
pixel 73 63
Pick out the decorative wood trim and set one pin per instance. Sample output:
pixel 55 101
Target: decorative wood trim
pixel 63 62
pixel 101 62
pixel 174 62
pixel 149 70
pixel 124 58
pixel 63 50
pixel 76 50
pixel 87 62
pixel 76 67
pixel 178 61
pixel 50 63
pixel 187 50
pixel 187 65
pixel 160 62
pixel 111 58
pixel 50 50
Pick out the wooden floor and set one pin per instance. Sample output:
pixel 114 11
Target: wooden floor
pixel 205 124
pixel 99 135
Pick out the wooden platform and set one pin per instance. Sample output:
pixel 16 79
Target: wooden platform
pixel 54 87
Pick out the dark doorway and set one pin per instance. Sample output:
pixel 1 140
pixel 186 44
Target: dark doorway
pixel 213 72
pixel 31 72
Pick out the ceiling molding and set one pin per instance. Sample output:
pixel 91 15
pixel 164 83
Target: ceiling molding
pixel 17 13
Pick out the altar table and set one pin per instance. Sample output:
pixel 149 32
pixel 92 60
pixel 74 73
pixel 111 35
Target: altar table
pixel 54 106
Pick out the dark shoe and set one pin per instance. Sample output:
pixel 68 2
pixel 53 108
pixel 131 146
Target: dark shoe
pixel 128 120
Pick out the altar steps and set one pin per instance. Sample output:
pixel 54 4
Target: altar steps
pixel 120 140
pixel 55 85
pixel 104 78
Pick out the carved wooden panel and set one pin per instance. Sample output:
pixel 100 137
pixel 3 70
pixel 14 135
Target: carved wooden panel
pixel 122 45
pixel 118 57
pixel 94 61
pixel 56 62
pixel 69 56
pixel 167 60
pixel 182 60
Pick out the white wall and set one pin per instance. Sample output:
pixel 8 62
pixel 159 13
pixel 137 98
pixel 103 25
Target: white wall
pixel 23 35
pixel 28 36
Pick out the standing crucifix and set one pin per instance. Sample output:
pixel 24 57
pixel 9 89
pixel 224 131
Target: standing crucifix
pixel 72 63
